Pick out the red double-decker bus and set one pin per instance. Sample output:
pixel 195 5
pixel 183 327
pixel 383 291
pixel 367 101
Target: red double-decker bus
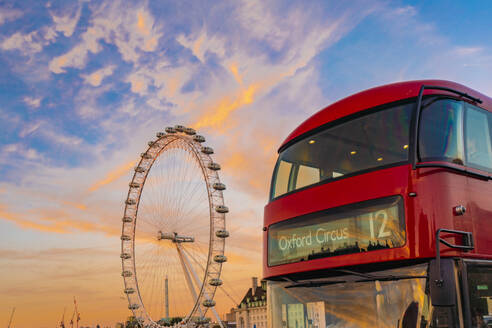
pixel 380 212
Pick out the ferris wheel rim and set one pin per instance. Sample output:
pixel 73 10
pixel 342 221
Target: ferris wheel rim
pixel 216 244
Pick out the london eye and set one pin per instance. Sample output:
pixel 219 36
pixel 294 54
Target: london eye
pixel 173 232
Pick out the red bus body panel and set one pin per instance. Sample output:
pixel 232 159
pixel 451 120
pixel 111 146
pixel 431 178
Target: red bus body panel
pixel 379 96
pixel 438 191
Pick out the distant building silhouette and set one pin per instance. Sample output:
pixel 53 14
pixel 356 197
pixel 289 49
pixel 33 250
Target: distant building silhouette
pixel 251 312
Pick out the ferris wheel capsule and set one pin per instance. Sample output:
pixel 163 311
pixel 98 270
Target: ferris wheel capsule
pixel 214 166
pixel 179 128
pixel 215 282
pixel 219 258
pixel 207 150
pixel 208 303
pixel 202 321
pixel 125 237
pixel 146 155
pixel 133 306
pixel 222 233
pixel 130 201
pixel 151 143
pixel 198 138
pixel 160 134
pixel 134 185
pixel 125 256
pixel 126 273
pixel 129 290
pixel 221 209
pixel 190 131
pixel 219 186
pixel 127 219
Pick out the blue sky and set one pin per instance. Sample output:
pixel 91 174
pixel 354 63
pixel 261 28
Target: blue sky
pixel 85 84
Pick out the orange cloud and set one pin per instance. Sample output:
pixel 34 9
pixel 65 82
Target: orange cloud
pixel 80 206
pixel 172 86
pixel 141 24
pixel 217 113
pixel 113 175
pixel 220 111
pixel 196 47
pixel 55 222
pixel 235 72
pixel 57 227
pixel 150 44
pixel 236 161
pixel 259 166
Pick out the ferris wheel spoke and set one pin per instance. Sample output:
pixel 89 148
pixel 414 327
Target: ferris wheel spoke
pixel 185 196
pixel 199 263
pixel 188 198
pixel 198 205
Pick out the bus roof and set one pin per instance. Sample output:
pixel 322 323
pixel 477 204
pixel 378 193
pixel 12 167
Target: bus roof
pixel 378 96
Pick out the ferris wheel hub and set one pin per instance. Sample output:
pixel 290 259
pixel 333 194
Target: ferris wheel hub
pixel 174 237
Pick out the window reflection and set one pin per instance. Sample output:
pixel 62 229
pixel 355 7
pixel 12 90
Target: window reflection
pixel 480 289
pixel 383 304
pixel 440 131
pixel 478 138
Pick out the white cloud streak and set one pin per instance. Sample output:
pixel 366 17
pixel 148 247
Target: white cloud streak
pixel 132 30
pixel 7 15
pixel 32 102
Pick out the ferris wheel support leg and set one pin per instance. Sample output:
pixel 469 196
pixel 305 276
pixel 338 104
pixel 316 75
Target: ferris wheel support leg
pixel 198 283
pixel 189 282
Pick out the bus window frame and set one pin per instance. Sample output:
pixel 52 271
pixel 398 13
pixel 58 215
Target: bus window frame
pixel 464 168
pixel 467 100
pixel 460 131
pixel 466 108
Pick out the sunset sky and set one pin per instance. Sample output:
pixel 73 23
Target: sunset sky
pixel 84 85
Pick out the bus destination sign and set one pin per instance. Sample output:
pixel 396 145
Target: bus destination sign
pixel 367 226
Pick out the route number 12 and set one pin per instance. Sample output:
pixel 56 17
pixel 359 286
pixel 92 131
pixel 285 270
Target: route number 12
pixel 380 217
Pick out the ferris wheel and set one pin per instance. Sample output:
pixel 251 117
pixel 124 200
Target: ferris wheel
pixel 173 234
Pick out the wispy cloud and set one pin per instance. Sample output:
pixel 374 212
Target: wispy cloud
pixel 7 14
pixel 21 150
pixel 132 30
pixel 95 78
pixel 27 43
pixel 30 128
pixel 201 44
pixel 54 221
pixel 67 23
pixel 32 102
pixel 467 51
pixel 60 138
pixel 217 113
pixel 113 175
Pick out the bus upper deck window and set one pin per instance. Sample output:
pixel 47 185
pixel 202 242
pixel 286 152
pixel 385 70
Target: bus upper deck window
pixel 352 145
pixel 441 136
pixel 282 178
pixel 306 176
